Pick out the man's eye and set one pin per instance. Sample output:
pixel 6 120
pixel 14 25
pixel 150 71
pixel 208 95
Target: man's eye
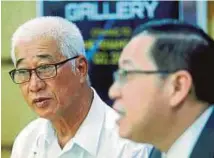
pixel 45 67
pixel 21 72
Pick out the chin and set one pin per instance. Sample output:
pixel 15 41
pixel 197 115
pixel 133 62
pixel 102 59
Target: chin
pixel 46 115
pixel 131 134
pixel 140 137
pixel 137 139
pixel 124 133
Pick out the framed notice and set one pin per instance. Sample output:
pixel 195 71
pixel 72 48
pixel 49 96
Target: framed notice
pixel 106 27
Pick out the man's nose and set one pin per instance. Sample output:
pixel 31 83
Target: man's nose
pixel 35 83
pixel 114 91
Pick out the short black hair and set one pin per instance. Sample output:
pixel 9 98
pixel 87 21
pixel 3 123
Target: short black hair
pixel 180 45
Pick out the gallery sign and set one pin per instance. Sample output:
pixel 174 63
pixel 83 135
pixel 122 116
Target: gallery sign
pixel 106 27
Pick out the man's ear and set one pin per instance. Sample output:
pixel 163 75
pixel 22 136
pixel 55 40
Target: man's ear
pixel 180 86
pixel 82 68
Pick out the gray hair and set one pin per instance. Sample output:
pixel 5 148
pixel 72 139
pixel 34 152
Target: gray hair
pixel 66 34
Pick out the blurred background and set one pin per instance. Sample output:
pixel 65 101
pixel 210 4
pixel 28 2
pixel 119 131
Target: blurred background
pixel 106 28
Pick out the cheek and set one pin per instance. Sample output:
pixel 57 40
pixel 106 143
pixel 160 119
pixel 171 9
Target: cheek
pixel 138 100
pixel 60 89
pixel 24 90
pixel 64 85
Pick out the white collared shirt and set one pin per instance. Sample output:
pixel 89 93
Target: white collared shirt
pixel 184 145
pixel 97 137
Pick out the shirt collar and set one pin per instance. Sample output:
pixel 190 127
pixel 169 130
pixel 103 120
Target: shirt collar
pixel 186 142
pixel 88 135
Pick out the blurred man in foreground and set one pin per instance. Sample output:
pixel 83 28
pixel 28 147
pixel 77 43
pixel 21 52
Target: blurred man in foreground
pixel 52 72
pixel 164 89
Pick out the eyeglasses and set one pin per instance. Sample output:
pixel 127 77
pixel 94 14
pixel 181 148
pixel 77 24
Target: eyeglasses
pixel 43 72
pixel 120 75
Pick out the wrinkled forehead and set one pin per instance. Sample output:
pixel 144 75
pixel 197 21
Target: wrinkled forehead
pixel 137 52
pixel 42 48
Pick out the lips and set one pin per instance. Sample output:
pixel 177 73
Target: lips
pixel 119 109
pixel 41 102
pixel 40 99
pixel 121 112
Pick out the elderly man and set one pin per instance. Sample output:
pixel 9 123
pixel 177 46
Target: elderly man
pixel 52 72
pixel 164 89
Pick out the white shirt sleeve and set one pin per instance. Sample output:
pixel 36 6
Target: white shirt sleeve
pixel 15 150
pixel 133 150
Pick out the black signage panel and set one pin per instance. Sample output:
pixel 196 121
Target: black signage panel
pixel 106 27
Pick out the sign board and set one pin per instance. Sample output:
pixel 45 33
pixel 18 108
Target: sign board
pixel 106 27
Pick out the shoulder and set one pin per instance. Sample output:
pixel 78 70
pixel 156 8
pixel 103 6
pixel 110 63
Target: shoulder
pixel 104 111
pixel 28 135
pixel 111 144
pixel 111 116
pixel 125 148
pixel 32 128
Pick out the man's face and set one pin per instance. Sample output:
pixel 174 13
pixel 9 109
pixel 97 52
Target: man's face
pixel 139 97
pixel 53 96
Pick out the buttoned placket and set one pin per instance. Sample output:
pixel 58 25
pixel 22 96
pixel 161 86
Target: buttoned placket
pixel 39 148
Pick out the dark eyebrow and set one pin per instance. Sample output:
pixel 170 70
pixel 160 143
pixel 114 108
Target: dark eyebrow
pixel 45 56
pixel 42 56
pixel 19 61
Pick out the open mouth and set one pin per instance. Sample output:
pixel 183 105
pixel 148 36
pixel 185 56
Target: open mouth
pixel 122 113
pixel 41 102
pixel 119 109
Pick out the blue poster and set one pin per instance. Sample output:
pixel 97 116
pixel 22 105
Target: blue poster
pixel 106 27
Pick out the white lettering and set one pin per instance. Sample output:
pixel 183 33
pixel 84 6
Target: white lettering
pixel 138 9
pixel 123 10
pixel 70 10
pixel 87 10
pixel 151 8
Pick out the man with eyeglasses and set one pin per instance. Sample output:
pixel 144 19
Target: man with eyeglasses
pixel 164 89
pixel 52 73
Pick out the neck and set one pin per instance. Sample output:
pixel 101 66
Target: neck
pixel 67 125
pixel 180 120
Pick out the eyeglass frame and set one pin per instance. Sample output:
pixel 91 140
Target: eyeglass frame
pixel 12 72
pixel 147 72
